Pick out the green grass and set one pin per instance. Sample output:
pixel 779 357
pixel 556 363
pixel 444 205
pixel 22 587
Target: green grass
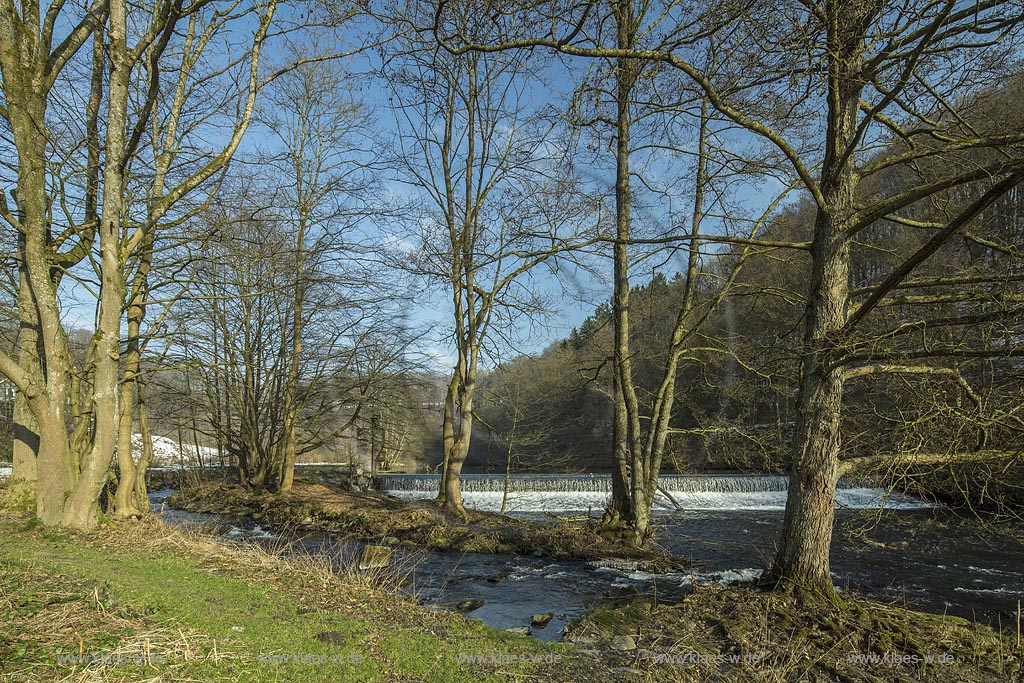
pixel 218 614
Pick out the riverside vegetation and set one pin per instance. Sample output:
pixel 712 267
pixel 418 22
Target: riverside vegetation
pixel 824 199
pixel 141 600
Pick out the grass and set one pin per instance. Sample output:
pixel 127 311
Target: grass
pixel 146 602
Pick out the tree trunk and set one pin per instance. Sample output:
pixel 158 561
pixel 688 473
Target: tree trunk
pixel 647 468
pixel 126 502
pixel 626 424
pixel 802 559
pixel 141 491
pixel 56 468
pixel 447 437
pixel 124 497
pixel 289 407
pixel 21 491
pixel 22 487
pixel 451 483
pixel 82 506
pixel 621 505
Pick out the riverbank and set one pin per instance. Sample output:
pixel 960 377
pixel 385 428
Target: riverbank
pixel 146 601
pixel 142 600
pixel 378 518
pixel 738 633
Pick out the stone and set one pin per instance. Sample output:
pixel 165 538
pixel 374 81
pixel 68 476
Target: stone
pixel 541 620
pixel 520 630
pixel 331 637
pixel 623 643
pixel 469 605
pixel 373 557
pixel 583 641
pixel 391 540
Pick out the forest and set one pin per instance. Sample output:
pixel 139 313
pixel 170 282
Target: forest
pixel 638 240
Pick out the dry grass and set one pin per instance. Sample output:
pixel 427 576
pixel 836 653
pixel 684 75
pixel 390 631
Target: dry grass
pixel 156 620
pixel 743 635
pixel 84 633
pixel 374 516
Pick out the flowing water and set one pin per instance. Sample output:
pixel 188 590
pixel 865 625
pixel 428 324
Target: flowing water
pixel 579 493
pixel 725 526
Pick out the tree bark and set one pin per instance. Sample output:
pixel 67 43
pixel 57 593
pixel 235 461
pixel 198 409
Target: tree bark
pixel 447 437
pixel 82 506
pixel 22 487
pixel 141 490
pixel 626 425
pixel 126 502
pixel 463 431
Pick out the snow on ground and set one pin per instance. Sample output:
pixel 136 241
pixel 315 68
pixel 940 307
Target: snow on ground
pixel 169 453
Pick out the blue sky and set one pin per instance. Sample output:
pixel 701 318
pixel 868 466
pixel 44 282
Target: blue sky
pixel 576 300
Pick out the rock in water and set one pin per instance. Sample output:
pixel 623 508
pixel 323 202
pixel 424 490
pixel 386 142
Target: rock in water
pixel 541 620
pixel 520 630
pixel 373 557
pixel 469 605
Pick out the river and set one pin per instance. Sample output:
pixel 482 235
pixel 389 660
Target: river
pixel 888 546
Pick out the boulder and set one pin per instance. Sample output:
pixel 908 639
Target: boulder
pixel 541 620
pixel 469 605
pixel 520 630
pixel 373 557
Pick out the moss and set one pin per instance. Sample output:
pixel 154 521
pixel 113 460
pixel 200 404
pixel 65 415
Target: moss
pixel 785 639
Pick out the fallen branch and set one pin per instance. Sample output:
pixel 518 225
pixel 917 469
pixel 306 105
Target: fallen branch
pixel 868 462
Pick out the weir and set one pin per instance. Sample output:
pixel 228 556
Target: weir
pixel 601 483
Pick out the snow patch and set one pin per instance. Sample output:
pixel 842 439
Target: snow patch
pixel 168 453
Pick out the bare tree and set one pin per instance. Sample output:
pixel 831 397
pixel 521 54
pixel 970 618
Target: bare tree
pixel 325 155
pixel 72 468
pixel 476 150
pixel 828 84
pixel 235 331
